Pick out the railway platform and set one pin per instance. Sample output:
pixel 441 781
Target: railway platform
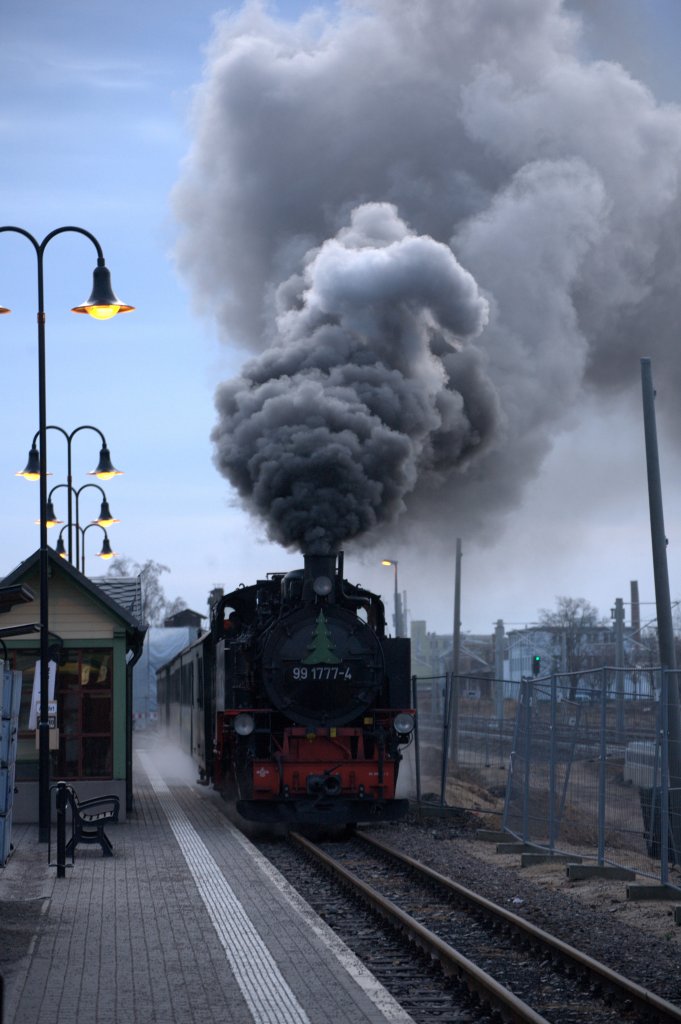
pixel 186 922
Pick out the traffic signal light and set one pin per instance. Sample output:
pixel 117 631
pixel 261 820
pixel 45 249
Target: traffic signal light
pixel 536 664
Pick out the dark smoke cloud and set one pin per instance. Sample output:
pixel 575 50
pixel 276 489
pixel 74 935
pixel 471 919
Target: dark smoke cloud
pixel 366 391
pixel 552 180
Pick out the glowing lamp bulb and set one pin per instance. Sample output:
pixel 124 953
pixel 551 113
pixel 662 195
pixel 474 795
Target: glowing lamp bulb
pixel 102 312
pixel 106 553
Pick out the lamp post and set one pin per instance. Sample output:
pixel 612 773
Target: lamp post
pixel 105 518
pixel 105 469
pixel 105 553
pixel 398 610
pixel 102 304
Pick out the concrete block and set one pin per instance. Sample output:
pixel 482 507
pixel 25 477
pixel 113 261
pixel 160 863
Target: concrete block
pixel 489 836
pixel 428 810
pixel 577 872
pixel 515 847
pixel 528 860
pixel 652 892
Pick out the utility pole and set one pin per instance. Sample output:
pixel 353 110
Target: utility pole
pixel 665 629
pixel 635 609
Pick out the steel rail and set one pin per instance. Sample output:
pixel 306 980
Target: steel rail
pixel 454 963
pixel 640 996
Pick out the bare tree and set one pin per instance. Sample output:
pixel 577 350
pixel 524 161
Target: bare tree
pixel 155 606
pixel 571 620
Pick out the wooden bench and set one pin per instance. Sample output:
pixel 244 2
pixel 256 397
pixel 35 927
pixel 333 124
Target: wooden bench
pixel 89 818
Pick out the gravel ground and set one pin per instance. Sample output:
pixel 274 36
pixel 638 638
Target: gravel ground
pixel 637 939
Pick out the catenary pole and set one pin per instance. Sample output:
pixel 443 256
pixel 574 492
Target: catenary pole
pixel 665 629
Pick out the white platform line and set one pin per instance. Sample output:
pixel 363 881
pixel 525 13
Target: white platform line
pixel 368 982
pixel 265 990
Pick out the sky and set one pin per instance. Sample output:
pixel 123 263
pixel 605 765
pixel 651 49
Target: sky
pixel 416 250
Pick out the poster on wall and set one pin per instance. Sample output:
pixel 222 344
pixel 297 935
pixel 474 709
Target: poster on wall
pixel 35 696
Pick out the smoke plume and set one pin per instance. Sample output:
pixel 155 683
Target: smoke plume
pixel 440 226
pixel 366 389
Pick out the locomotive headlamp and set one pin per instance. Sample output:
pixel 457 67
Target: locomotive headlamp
pixel 322 586
pixel 403 723
pixel 244 724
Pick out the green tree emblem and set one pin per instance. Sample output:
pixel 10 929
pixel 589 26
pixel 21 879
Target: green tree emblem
pixel 320 649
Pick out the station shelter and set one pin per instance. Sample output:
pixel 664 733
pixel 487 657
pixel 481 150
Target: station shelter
pixel 95 640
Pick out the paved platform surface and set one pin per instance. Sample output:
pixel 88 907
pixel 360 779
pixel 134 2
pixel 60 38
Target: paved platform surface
pixel 185 923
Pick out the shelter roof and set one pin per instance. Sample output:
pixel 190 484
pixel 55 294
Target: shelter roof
pixel 130 614
pixel 126 591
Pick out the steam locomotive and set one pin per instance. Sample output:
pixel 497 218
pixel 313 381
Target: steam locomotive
pixel 295 703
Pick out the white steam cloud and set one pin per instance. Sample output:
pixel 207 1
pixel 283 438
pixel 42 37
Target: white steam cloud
pixel 439 226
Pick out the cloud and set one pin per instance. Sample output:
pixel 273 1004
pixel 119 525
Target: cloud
pixel 39 63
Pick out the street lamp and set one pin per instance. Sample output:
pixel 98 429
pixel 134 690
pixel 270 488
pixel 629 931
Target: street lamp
pixel 106 553
pixel 398 609
pixel 102 304
pixel 105 469
pixel 105 517
pixel 50 515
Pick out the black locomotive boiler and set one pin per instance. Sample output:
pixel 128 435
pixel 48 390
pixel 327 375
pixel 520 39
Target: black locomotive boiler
pixel 295 702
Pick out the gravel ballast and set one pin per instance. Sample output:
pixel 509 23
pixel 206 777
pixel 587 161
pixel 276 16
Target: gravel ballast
pixel 639 939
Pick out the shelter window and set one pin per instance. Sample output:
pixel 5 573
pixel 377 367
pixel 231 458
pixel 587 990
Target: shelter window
pixel 84 695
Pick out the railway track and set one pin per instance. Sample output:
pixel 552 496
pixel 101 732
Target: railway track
pixel 466 958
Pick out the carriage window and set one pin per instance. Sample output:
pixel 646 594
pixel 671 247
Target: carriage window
pixel 199 682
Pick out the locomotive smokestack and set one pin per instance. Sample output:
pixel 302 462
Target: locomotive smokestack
pixel 319 577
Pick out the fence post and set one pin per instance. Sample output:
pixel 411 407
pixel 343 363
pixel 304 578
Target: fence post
pixel 602 754
pixel 552 764
pixel 512 760
pixel 417 744
pixel 526 781
pixel 447 726
pixel 619 670
pixel 664 778
pixel 453 715
pixel 499 672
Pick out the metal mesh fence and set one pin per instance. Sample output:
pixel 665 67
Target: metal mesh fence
pixel 465 734
pixel 586 763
